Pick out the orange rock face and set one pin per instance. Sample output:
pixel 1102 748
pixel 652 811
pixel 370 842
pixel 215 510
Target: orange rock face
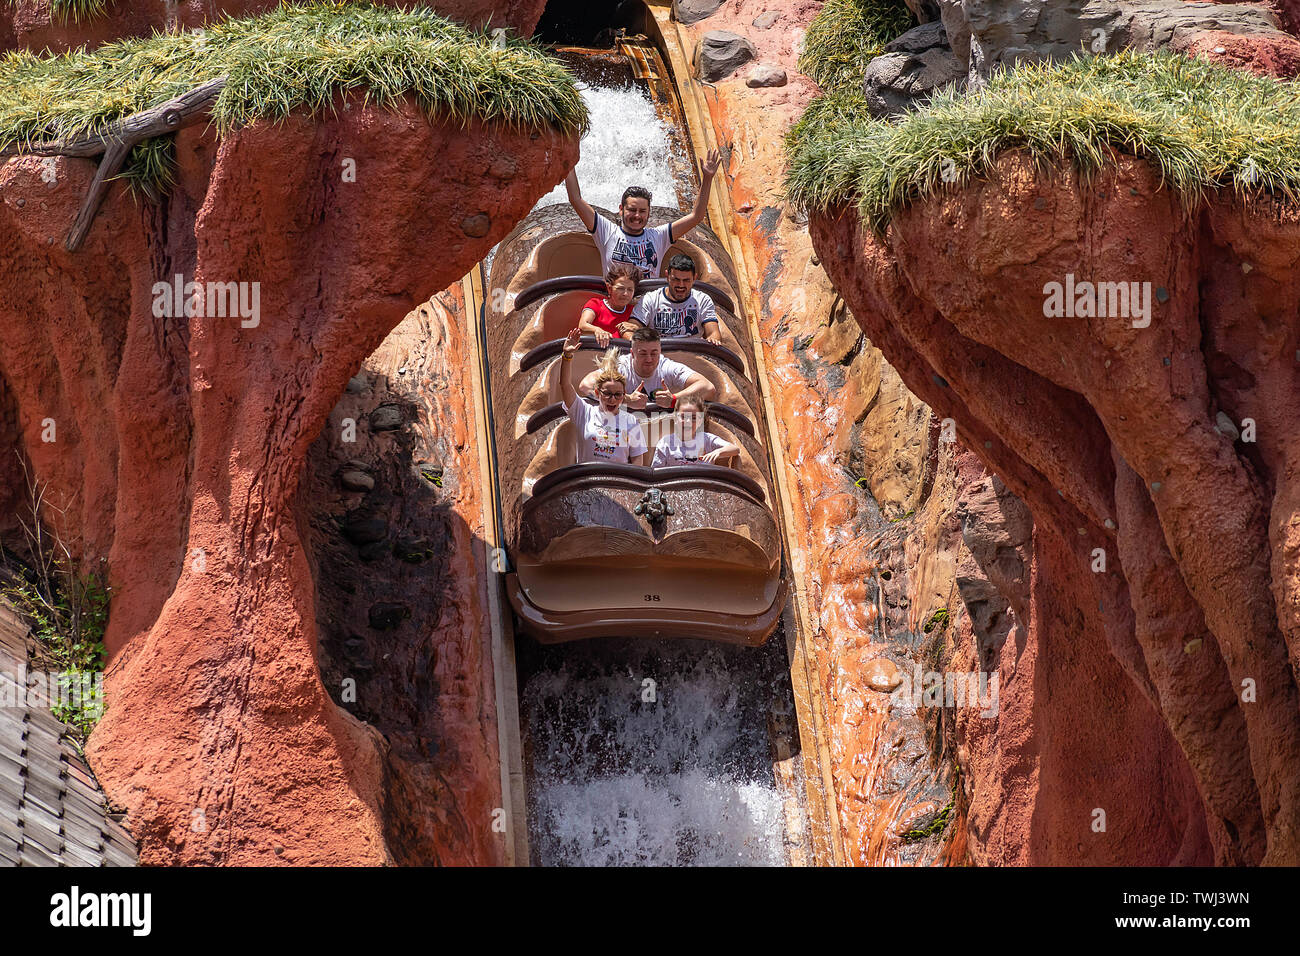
pixel 180 441
pixel 30 25
pixel 1151 448
pixel 861 455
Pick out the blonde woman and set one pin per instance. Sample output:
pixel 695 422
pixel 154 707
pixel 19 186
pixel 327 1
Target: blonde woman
pixel 610 316
pixel 688 443
pixel 607 432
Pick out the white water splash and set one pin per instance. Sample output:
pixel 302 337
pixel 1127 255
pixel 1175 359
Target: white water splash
pixel 628 146
pixel 684 779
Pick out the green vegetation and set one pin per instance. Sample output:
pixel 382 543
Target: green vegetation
pixel 78 11
pixel 295 57
pixel 1202 126
pixel 846 35
pixel 936 826
pixel 938 619
pixel 68 613
pixel 939 822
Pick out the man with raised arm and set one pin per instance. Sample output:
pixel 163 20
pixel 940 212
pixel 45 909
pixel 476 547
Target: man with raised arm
pixel 631 240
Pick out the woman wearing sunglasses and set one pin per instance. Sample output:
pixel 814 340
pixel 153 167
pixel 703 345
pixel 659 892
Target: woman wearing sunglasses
pixel 606 431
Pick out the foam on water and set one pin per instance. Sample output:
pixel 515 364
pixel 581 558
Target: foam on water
pixel 628 146
pixel 685 778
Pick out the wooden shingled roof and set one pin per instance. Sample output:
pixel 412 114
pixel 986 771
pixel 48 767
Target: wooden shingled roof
pixel 52 812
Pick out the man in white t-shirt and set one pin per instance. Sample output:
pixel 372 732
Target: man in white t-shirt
pixel 650 375
pixel 629 240
pixel 677 309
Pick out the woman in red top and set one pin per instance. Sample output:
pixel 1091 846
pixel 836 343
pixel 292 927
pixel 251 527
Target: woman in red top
pixel 611 316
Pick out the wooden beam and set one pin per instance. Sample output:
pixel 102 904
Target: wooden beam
pixel 116 141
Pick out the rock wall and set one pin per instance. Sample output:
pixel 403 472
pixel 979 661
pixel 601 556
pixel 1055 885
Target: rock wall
pixel 873 489
pixel 1153 458
pixel 31 25
pixel 395 535
pixel 181 440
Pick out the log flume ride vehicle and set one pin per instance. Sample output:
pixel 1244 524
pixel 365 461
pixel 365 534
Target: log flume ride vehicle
pixel 622 550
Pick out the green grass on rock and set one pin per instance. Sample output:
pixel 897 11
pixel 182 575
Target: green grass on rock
pixel 295 57
pixel 1202 126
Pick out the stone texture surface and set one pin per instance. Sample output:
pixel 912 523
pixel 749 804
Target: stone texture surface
pixel 911 69
pixel 182 441
pixel 721 53
pixel 1108 433
pixel 29 25
pixel 764 75
pixel 693 11
pixel 1275 54
pixel 988 33
pixel 426 682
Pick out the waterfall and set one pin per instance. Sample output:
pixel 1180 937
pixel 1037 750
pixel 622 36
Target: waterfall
pixel 653 754
pixel 629 145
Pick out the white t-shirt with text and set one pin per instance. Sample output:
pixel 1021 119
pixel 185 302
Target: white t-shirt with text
pixel 645 251
pixel 669 318
pixel 673 450
pixel 603 437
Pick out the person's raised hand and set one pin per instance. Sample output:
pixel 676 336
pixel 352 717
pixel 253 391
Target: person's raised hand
pixel 571 342
pixel 711 163
pixel 636 398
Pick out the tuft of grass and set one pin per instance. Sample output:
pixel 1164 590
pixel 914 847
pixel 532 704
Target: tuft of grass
pixel 78 11
pixel 1202 126
pixel 294 57
pixel 846 35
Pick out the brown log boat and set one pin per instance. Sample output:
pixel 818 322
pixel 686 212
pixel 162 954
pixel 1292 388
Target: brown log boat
pixel 621 550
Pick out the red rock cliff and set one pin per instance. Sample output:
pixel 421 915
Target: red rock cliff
pixel 1162 689
pixel 180 442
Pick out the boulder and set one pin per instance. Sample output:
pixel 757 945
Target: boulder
pixel 720 54
pixel 354 480
pixel 693 11
pixel 986 34
pixel 387 417
pixel 765 75
pixel 912 68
